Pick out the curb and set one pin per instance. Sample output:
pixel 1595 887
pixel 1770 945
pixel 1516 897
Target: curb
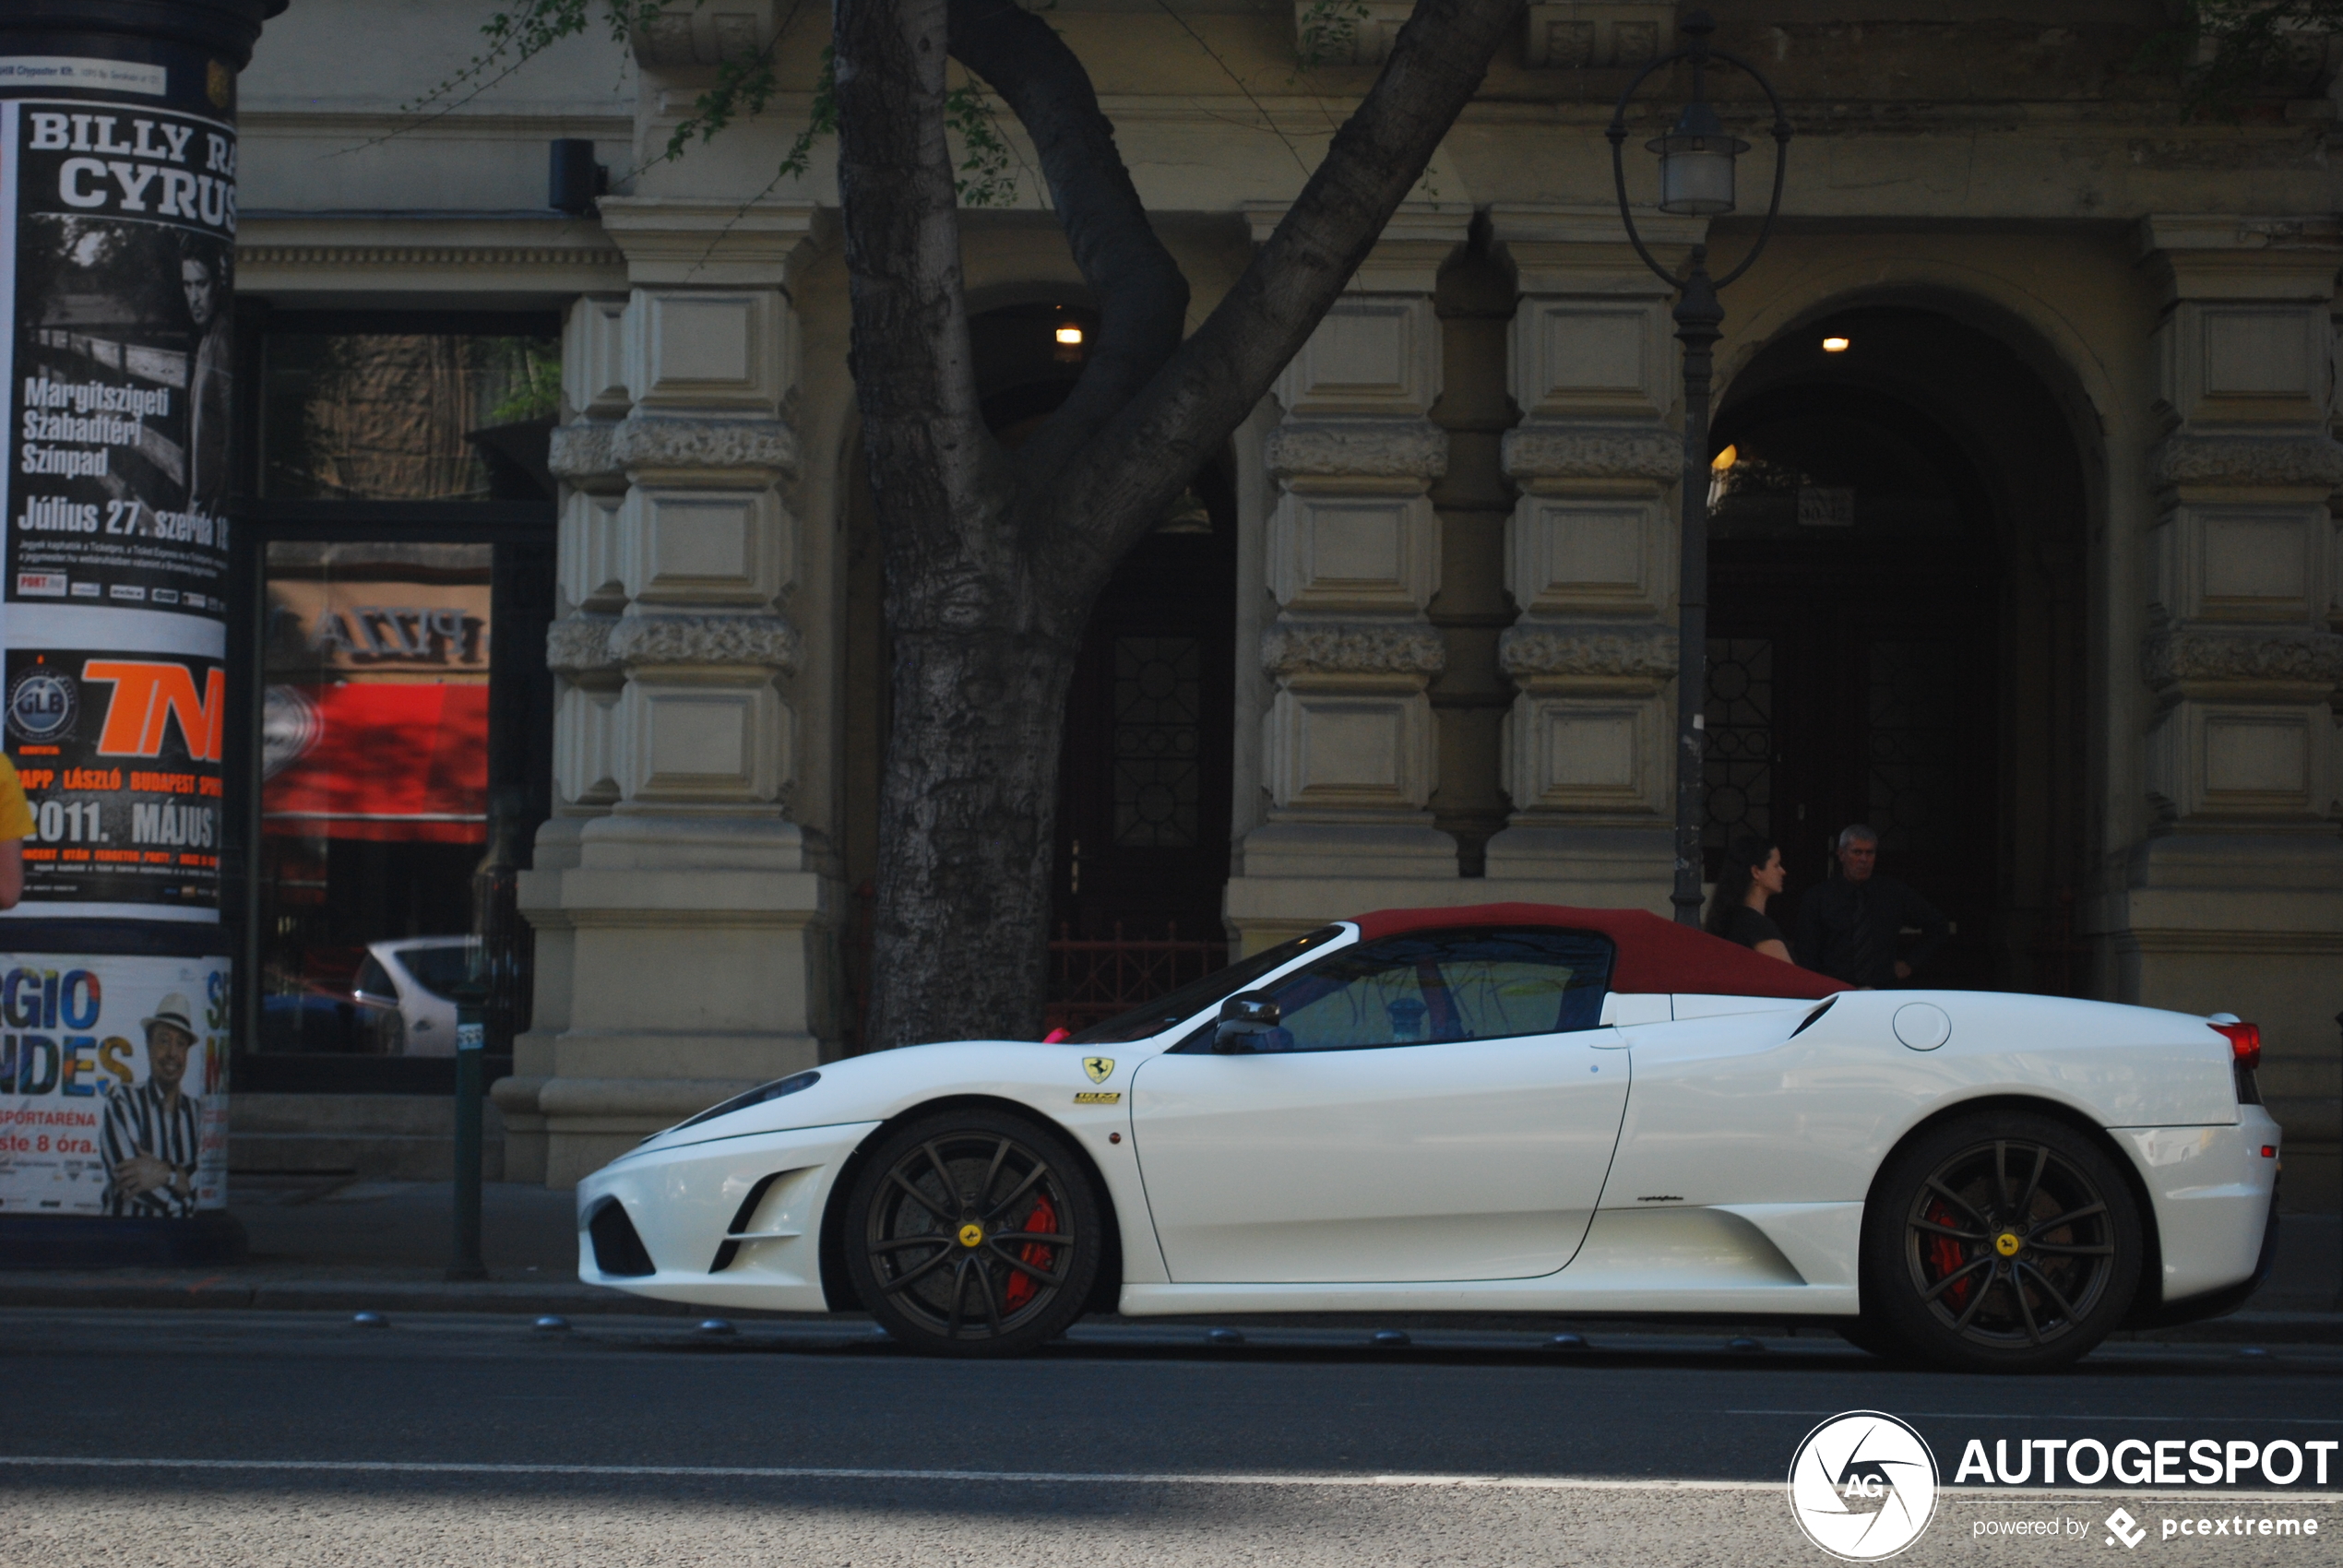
pixel 198 1291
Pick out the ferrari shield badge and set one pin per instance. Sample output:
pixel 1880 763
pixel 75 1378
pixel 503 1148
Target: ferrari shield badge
pixel 1099 1067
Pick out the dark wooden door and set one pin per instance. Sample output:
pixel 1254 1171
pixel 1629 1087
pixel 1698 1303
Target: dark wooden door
pixel 1853 689
pixel 1144 791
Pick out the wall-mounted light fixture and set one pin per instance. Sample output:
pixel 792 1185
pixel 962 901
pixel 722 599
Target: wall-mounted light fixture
pixel 572 177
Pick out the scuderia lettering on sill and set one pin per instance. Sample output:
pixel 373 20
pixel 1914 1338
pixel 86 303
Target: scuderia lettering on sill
pixel 1862 1486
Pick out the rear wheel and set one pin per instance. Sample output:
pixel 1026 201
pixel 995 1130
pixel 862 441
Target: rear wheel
pixel 973 1233
pixel 1999 1241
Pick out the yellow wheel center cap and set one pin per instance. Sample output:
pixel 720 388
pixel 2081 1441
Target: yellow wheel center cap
pixel 2007 1243
pixel 972 1235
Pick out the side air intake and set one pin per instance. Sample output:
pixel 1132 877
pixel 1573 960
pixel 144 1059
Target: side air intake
pixel 617 1249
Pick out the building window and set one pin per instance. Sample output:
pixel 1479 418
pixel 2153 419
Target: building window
pixel 1158 710
pixel 412 416
pixel 394 569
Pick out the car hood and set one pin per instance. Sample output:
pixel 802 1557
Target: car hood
pixel 885 1083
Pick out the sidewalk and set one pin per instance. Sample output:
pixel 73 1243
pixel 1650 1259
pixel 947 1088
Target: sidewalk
pixel 325 1245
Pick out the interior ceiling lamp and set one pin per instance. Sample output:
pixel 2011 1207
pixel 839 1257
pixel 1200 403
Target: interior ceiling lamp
pixel 1834 345
pixel 1069 335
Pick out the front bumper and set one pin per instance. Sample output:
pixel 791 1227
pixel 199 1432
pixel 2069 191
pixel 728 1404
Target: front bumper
pixel 702 1239
pixel 2212 1190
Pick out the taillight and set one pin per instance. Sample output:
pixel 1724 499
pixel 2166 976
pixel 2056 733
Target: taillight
pixel 2246 1043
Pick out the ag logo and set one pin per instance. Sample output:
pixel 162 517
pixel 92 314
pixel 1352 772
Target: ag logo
pixel 41 706
pixel 1862 1486
pixel 1099 1067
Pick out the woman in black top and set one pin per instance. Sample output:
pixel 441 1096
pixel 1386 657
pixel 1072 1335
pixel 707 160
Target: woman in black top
pixel 1752 874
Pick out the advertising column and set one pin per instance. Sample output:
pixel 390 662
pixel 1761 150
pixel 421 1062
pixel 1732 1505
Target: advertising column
pixel 117 225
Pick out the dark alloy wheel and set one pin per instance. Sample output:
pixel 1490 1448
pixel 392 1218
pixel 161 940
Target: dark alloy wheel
pixel 973 1233
pixel 2005 1242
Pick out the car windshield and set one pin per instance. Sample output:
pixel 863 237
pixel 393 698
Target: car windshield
pixel 1190 999
pixel 374 980
pixel 439 969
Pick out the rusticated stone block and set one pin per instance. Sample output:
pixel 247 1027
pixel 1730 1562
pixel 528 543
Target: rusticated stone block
pixel 1586 649
pixel 2290 657
pixel 641 442
pixel 580 453
pixel 2248 460
pixel 1358 449
pixel 1304 647
pixel 640 641
pixel 580 645
pixel 1537 451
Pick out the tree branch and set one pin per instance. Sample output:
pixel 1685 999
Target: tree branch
pixel 1142 296
pixel 1110 494
pixel 935 468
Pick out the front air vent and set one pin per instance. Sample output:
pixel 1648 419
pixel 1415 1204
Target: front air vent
pixel 730 1248
pixel 618 1250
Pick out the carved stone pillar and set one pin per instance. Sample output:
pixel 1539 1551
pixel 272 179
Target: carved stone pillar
pixel 1349 747
pixel 682 909
pixel 1590 561
pixel 2233 898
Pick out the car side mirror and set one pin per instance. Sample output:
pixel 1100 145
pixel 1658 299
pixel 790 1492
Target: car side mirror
pixel 1244 1017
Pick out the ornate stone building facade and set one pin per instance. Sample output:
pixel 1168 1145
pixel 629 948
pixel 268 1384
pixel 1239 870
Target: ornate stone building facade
pixel 2040 572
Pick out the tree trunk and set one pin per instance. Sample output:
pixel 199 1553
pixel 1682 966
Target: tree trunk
pixel 968 811
pixel 992 560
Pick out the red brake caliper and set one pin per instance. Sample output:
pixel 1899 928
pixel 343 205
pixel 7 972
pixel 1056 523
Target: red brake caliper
pixel 1021 1288
pixel 1944 1255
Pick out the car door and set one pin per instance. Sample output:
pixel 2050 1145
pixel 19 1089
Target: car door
pixel 1433 1106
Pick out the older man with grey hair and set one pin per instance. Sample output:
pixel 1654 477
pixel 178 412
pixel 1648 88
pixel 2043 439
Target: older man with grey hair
pixel 1848 927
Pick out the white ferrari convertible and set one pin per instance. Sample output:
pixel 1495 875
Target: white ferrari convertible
pixel 1511 1108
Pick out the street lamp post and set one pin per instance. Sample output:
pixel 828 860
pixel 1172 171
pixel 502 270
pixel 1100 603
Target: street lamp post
pixel 1695 179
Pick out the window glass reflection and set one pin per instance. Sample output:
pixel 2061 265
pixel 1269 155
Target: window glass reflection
pixel 374 792
pixel 405 416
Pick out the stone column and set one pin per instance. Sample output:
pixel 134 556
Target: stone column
pixel 2233 898
pixel 1350 749
pixel 1591 559
pixel 680 912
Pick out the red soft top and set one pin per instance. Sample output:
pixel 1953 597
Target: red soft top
pixel 1655 954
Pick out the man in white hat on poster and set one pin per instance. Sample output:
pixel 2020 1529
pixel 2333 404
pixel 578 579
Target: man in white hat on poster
pixel 150 1132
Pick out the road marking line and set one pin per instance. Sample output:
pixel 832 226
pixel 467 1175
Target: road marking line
pixel 799 1472
pixel 1070 1478
pixel 2013 1416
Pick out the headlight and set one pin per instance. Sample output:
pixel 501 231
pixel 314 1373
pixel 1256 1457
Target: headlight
pixel 757 1095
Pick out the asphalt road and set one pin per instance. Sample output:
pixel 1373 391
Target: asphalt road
pixel 226 1438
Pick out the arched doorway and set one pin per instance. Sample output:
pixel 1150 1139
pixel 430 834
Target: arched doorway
pixel 1145 776
pixel 1895 520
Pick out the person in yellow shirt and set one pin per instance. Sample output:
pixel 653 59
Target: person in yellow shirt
pixel 15 827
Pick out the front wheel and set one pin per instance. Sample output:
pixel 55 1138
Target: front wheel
pixel 1999 1241
pixel 973 1233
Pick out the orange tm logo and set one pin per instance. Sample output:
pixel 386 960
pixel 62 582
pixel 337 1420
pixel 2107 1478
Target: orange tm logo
pixel 146 695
